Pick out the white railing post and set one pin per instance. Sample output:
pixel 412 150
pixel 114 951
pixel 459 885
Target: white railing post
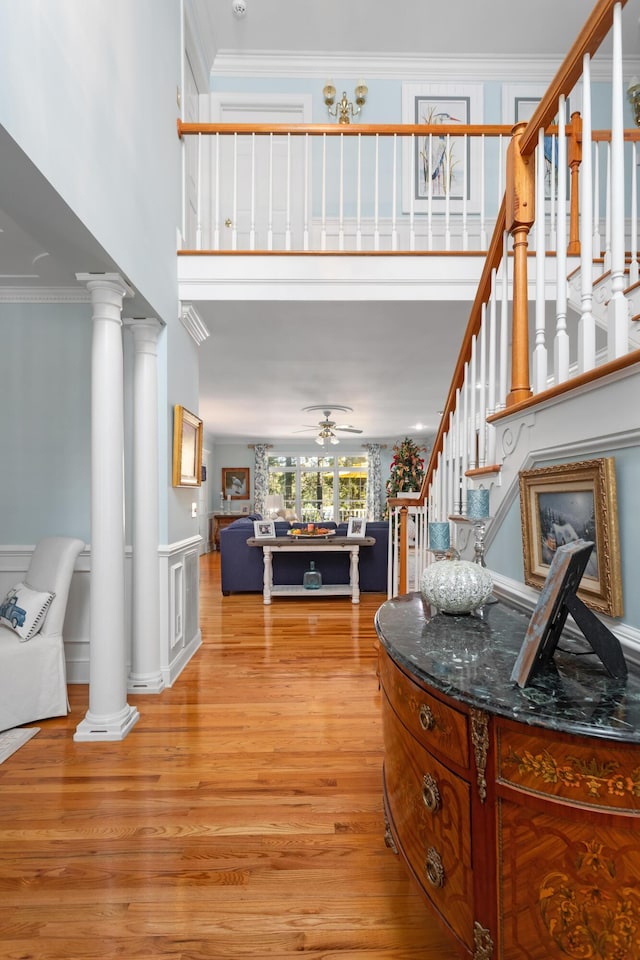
pixel 561 343
pixel 586 325
pixel 252 226
pixel 633 265
pixel 359 197
pixel 305 242
pixel 412 192
pixel 199 197
pixel 234 199
pixel 394 188
pixel 287 232
pixel 540 350
pixel 617 313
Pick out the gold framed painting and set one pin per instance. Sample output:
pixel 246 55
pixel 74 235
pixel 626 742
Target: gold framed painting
pixel 573 501
pixel 187 448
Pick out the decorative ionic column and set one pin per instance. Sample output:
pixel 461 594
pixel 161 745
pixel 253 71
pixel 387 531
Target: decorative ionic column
pixel 145 675
pixel 109 716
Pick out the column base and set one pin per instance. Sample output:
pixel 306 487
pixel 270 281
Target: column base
pixel 145 683
pixel 96 729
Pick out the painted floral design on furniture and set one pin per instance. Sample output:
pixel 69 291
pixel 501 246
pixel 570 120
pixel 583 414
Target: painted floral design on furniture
pixel 589 911
pixel 593 777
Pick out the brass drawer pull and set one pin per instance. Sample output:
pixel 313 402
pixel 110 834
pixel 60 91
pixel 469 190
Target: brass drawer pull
pixel 433 868
pixel 426 717
pixel 430 793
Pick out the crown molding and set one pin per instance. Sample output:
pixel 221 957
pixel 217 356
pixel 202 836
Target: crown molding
pixel 193 323
pixel 44 295
pixel 283 64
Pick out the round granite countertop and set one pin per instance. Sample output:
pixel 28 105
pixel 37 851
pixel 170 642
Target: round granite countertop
pixel 470 658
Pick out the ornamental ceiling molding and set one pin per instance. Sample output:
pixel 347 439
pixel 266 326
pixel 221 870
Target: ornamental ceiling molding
pixel 44 295
pixel 424 67
pixel 193 323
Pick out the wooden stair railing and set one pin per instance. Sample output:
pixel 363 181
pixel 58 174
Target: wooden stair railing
pixel 516 216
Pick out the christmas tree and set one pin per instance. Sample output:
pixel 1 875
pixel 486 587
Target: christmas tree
pixel 407 468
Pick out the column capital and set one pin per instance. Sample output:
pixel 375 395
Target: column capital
pixel 113 282
pixel 145 331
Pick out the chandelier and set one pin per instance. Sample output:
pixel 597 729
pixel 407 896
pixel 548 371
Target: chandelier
pixel 344 109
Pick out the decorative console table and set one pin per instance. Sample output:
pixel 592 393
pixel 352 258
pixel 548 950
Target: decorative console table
pixel 516 810
pixel 350 545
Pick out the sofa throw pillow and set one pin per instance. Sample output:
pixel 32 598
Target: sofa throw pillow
pixel 24 610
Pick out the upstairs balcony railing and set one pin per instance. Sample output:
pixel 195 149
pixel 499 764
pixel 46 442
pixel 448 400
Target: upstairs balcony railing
pixel 276 188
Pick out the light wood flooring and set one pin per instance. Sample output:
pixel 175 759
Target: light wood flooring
pixel 242 816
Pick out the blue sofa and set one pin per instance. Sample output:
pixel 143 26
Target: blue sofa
pixel 242 568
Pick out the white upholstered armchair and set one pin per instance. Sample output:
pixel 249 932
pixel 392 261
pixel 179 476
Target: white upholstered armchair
pixel 33 679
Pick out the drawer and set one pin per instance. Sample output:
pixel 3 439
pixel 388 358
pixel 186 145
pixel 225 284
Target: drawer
pixel 594 773
pixel 434 724
pixel 430 809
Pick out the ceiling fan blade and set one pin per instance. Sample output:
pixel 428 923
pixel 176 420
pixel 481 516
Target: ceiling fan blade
pixel 305 429
pixel 348 429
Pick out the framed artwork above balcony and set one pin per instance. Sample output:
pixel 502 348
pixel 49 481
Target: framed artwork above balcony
pixel 441 174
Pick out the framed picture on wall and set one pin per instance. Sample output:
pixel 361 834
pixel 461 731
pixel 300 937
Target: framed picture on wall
pixel 569 502
pixel 235 483
pixel 187 448
pixel 441 171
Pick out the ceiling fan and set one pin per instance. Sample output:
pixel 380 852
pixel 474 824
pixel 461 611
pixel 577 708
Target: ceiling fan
pixel 327 428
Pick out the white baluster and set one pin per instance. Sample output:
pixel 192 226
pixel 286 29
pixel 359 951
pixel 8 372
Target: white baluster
pixel 287 233
pixel 323 234
pixel 252 228
pixel 341 196
pixel 586 325
pixel 430 192
pixel 617 312
pixel 491 349
pixel 234 215
pixel 465 234
pixel 270 206
pixel 305 244
pixel 540 349
pixel 216 215
pixel 376 184
pixel 394 187
pixel 561 343
pixel 483 213
pixel 607 211
pixel 199 197
pixel 633 266
pixel 473 405
pixel 359 196
pixel 504 322
pixel 465 425
pixel 597 243
pixel 553 181
pixel 412 192
pixel 446 171
pixel 482 391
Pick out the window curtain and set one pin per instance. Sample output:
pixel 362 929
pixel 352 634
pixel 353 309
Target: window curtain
pixel 374 482
pixel 260 477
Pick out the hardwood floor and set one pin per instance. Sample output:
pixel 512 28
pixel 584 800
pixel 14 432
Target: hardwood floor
pixel 242 816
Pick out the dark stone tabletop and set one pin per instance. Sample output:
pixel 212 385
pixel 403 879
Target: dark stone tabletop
pixel 471 658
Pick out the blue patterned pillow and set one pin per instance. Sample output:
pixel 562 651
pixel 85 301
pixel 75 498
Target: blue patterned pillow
pixel 24 610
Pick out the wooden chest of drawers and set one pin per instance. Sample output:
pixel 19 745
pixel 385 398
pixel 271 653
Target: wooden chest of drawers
pixel 517 813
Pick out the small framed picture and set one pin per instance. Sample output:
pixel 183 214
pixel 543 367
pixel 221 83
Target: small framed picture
pixel 263 529
pixel 235 483
pixel 357 527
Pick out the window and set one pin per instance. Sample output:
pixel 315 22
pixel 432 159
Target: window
pixel 321 488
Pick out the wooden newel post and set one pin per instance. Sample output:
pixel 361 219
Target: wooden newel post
pixel 575 159
pixel 520 215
